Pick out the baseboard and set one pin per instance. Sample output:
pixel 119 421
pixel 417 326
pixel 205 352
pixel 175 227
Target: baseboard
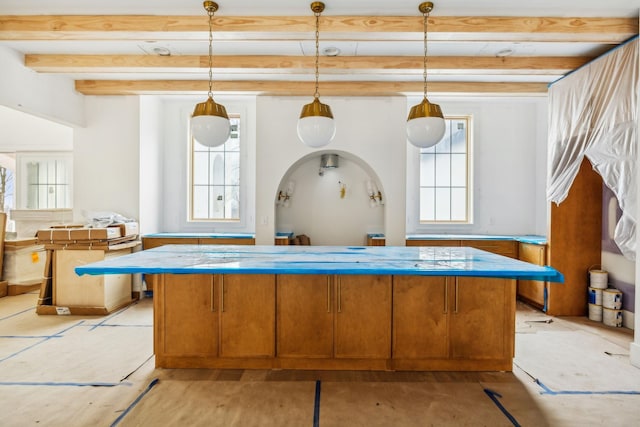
pixel 634 354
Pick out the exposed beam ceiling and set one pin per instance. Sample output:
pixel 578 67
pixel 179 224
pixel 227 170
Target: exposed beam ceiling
pixel 102 53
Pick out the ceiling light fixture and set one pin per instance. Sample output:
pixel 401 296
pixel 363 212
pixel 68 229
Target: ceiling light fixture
pixel 316 126
pixel 425 125
pixel 209 123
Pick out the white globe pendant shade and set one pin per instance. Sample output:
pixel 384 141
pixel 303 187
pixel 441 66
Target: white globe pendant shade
pixel 316 127
pixel 425 126
pixel 210 124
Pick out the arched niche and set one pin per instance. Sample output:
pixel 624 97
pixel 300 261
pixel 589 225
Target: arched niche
pixel 332 206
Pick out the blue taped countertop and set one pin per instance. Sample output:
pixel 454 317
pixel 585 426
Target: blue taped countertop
pixel 535 240
pixel 273 259
pixel 203 235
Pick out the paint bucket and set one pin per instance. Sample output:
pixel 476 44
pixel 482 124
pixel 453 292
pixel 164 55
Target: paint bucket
pixel 595 312
pixel 612 317
pixel 612 298
pixel 595 296
pixel 598 278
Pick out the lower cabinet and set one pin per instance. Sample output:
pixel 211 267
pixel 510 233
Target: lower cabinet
pixel 532 291
pixel 372 322
pixel 187 318
pixel 334 316
pixel 453 318
pixel 217 315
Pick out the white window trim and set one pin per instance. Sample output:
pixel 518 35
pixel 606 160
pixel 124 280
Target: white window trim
pixel 22 158
pixel 413 223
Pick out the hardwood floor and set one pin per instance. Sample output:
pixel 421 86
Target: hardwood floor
pixel 99 371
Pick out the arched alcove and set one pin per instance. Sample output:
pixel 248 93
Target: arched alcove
pixel 330 205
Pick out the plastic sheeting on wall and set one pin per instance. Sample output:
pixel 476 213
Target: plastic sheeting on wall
pixel 593 113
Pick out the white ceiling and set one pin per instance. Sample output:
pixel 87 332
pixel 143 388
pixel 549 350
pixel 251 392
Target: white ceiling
pixel 462 45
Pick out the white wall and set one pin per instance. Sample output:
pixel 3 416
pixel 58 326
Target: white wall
pixel 175 131
pixel 24 132
pixel 318 209
pixel 509 164
pixel 151 169
pixel 106 164
pixel 49 96
pixel 370 128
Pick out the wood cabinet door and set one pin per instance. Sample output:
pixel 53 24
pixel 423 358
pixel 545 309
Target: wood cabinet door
pixel 363 317
pixel 247 314
pixel 421 317
pixel 189 315
pixel 305 313
pixel 482 322
pixel 532 290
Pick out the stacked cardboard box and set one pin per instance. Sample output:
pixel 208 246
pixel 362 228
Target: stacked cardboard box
pixel 83 238
pixel 23 265
pixel 63 291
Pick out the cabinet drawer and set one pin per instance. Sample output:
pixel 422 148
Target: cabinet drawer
pixel 507 248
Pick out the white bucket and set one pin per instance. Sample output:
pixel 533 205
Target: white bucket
pixel 595 312
pixel 598 279
pixel 612 317
pixel 612 298
pixel 595 296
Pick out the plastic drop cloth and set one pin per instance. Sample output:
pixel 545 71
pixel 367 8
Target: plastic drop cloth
pixel 593 112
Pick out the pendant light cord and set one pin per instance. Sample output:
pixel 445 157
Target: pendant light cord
pixel 425 16
pixel 210 12
pixel 317 14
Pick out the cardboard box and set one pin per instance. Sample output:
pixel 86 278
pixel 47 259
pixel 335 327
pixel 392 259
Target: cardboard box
pixel 23 262
pixel 128 228
pixel 51 235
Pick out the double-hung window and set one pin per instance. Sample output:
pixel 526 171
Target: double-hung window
pixel 215 178
pixel 444 175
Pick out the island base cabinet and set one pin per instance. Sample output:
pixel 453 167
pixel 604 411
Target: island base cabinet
pixel 186 315
pixel 420 317
pixel 453 323
pixel 304 316
pixel 208 321
pixel 483 318
pixel 363 317
pixel 334 322
pixel 324 316
pixel 247 315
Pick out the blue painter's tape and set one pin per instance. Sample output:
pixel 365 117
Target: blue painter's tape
pixel 316 406
pixel 43 340
pixel 547 390
pixel 18 313
pixel 135 402
pixel 344 260
pixel 494 396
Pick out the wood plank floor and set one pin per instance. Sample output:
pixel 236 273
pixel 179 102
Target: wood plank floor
pixel 98 371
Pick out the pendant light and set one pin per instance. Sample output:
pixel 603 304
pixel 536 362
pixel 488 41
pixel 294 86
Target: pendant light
pixel 425 125
pixel 209 123
pixel 316 126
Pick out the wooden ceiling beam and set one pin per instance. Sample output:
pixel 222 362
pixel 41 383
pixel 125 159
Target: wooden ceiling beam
pixel 289 88
pixel 247 63
pixel 476 28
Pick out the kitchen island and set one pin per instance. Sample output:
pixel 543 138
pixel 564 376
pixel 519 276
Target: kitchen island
pixel 329 307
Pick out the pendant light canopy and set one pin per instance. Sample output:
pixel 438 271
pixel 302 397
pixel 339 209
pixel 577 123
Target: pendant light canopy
pixel 316 126
pixel 425 125
pixel 209 123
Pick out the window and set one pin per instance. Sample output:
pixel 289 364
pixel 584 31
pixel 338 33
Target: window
pixel 45 180
pixel 444 175
pixel 215 179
